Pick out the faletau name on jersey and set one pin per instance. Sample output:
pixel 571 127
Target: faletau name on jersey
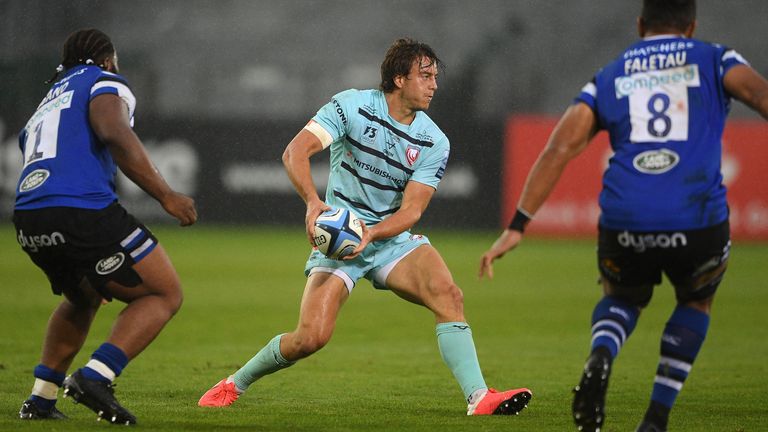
pixel 654 62
pixel 656 161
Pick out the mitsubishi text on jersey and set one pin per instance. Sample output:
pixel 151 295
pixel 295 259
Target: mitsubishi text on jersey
pixel 664 106
pixel 65 165
pixel 373 156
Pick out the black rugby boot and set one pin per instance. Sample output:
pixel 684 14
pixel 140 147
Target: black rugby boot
pixel 30 411
pixel 99 396
pixel 655 419
pixel 589 396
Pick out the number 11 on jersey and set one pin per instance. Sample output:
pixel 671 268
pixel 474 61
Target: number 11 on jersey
pixel 42 130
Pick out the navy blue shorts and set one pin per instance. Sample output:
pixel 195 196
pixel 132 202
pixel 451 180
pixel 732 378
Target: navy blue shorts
pixel 694 261
pixel 70 244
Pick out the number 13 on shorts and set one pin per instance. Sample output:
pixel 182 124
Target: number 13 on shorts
pixel 658 102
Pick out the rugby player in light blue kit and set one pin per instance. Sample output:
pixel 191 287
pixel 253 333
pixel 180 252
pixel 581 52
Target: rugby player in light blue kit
pixel 387 158
pixel 664 102
pixel 69 222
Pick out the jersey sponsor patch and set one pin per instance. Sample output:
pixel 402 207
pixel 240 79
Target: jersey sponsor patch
pixel 658 102
pixel 411 154
pixel 656 161
pixel 34 180
pixel 110 264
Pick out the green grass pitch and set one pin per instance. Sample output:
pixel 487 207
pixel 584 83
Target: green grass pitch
pixel 382 371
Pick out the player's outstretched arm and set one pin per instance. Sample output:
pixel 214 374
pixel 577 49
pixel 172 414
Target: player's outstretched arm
pixel 508 240
pixel 296 161
pixel 748 86
pixel 108 115
pixel 570 137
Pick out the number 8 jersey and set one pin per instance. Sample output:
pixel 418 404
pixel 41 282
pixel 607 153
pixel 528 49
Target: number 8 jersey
pixel 664 106
pixel 65 165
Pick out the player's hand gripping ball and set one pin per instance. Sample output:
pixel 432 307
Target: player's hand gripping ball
pixel 337 233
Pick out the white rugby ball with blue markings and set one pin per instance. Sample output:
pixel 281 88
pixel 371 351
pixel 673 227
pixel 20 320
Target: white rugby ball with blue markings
pixel 337 233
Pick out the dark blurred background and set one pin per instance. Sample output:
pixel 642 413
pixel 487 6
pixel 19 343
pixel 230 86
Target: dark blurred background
pixel 222 86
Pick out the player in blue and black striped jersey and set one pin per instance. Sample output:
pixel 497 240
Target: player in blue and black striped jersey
pixel 70 224
pixel 387 159
pixel 664 102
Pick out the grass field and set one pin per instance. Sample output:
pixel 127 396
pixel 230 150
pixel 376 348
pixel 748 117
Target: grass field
pixel 382 371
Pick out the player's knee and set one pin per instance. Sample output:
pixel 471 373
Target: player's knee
pixel 638 296
pixel 307 344
pixel 446 295
pixel 174 299
pixel 704 305
pixel 171 293
pixel 444 288
pixel 310 338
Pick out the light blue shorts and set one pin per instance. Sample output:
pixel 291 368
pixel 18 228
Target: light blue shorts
pixel 374 264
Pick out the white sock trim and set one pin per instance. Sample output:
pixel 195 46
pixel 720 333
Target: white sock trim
pixel 668 382
pixel 231 379
pixel 474 400
pixel 101 369
pixel 45 389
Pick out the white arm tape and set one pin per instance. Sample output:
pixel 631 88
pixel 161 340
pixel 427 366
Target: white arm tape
pixel 325 138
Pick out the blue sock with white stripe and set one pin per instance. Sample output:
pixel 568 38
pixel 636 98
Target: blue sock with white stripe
pixel 106 363
pixel 680 343
pixel 47 383
pixel 612 322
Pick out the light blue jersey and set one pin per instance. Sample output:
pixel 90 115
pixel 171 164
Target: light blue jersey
pixel 65 164
pixel 373 156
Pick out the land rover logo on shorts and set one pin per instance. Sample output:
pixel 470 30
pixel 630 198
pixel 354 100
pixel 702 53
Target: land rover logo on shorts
pixel 110 264
pixel 656 161
pixel 34 180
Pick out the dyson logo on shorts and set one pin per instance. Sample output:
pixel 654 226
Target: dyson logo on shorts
pixel 33 243
pixel 641 242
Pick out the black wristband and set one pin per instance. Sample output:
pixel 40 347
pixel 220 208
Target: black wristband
pixel 519 221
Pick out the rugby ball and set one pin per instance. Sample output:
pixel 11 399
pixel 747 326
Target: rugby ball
pixel 337 233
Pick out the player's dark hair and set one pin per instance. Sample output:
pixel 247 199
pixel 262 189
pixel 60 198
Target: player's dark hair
pixel 662 14
pixel 399 59
pixel 86 46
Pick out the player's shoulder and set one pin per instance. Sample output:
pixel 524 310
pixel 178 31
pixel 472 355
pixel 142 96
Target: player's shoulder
pixel 428 130
pixel 349 96
pixel 105 76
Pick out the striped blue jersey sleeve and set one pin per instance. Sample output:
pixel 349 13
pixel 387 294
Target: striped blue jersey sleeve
pixel 729 59
pixel 110 83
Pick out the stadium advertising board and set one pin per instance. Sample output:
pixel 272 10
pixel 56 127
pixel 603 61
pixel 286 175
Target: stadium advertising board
pixel 572 209
pixel 233 170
